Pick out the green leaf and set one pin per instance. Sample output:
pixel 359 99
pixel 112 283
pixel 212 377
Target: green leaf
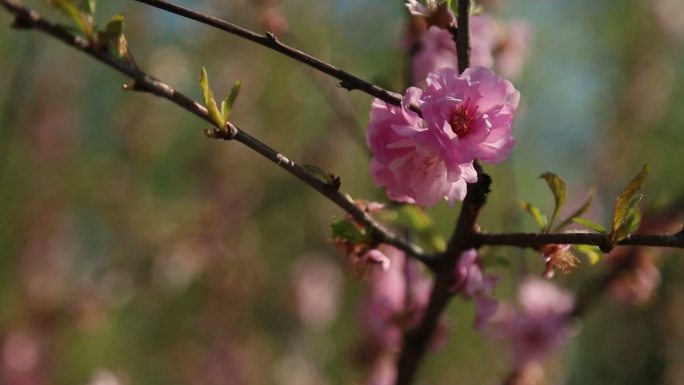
pixel 623 217
pixel 536 214
pixel 112 38
pixel 593 253
pixel 630 222
pixel 210 102
pixel 580 211
pixel 349 231
pixel 229 101
pixel 320 174
pixel 115 25
pixel 591 225
pixel 88 6
pixel 83 21
pixel 559 190
pixel 419 222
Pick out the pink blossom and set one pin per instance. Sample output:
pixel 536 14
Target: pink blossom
pixel 396 299
pixel 638 283
pixel 438 49
pixel 409 160
pixel 316 284
pixel 471 115
pixel 513 50
pixel 384 372
pixel 557 257
pixel 472 283
pixel 539 325
pixel 418 9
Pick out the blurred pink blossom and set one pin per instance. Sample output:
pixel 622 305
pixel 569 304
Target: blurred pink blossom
pixel 637 284
pixel 409 160
pixel 438 50
pixel 418 9
pixel 539 325
pixel 472 283
pixel 317 290
pixel 396 299
pixel 383 372
pixel 511 47
pixel 470 115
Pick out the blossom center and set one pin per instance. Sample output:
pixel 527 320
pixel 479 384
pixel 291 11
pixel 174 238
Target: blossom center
pixel 462 120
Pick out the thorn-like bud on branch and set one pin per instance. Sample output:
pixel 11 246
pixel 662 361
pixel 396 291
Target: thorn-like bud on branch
pixel 271 36
pixel 211 133
pixel 22 22
pixel 346 85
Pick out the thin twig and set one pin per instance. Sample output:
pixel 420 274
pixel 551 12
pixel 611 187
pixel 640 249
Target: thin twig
pixel 29 19
pixel 269 40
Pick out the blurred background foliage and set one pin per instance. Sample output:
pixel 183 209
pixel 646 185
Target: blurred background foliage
pixel 135 251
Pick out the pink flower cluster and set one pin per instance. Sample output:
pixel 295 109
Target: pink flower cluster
pixel 465 117
pixel 397 298
pixel 472 283
pixel 396 301
pixel 438 50
pixel 493 43
pixel 539 325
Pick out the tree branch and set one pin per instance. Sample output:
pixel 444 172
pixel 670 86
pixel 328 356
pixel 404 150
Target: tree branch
pixel 463 35
pixel 595 239
pixel 29 19
pixel 269 40
pixel 417 340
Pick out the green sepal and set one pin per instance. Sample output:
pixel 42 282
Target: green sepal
pixel 560 192
pixel 210 102
pixel 320 174
pixel 349 231
pixel 420 224
pixel 590 225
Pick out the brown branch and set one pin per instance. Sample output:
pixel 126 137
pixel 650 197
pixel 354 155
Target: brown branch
pixel 269 40
pixel 29 19
pixel 417 340
pixel 595 239
pixel 463 35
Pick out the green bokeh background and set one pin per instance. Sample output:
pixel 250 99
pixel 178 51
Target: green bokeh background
pixel 131 244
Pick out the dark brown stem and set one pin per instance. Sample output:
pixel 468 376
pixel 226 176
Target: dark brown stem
pixel 29 19
pixel 417 340
pixel 463 35
pixel 269 40
pixel 536 239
